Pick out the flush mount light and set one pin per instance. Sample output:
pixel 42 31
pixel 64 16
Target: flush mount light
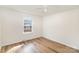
pixel 45 8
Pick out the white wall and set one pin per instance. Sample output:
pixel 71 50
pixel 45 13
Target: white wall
pixel 1 21
pixel 0 32
pixel 63 27
pixel 13 26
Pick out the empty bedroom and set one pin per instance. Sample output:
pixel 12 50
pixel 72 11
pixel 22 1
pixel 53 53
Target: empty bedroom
pixel 39 28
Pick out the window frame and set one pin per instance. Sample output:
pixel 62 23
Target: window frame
pixel 27 25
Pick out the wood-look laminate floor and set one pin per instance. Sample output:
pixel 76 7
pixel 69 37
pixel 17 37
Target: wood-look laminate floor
pixel 41 45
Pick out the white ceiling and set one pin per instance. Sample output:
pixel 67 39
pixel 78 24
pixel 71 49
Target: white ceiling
pixel 39 9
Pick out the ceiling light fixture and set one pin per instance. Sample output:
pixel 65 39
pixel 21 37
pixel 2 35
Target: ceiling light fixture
pixel 45 8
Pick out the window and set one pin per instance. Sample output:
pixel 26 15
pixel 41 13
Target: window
pixel 27 24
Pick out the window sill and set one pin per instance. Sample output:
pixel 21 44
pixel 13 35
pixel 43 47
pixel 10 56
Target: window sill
pixel 27 32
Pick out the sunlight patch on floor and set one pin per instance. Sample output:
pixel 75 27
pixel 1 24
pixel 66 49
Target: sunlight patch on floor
pixel 14 49
pixel 30 48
